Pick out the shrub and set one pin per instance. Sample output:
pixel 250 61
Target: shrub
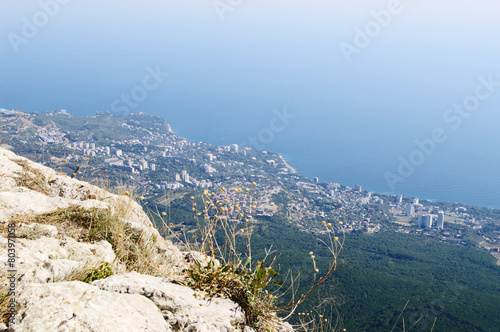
pixel 223 227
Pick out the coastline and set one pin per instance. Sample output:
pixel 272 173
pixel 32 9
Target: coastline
pixel 287 165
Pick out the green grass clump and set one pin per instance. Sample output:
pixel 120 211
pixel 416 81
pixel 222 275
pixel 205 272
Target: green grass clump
pixel 101 271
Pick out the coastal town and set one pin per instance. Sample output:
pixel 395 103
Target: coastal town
pixel 141 152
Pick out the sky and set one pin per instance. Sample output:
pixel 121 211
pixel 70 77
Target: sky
pixel 363 79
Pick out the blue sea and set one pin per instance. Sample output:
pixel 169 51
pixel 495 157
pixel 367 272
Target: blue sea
pixel 402 108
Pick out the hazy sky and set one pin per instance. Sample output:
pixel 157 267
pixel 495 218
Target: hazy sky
pixel 358 74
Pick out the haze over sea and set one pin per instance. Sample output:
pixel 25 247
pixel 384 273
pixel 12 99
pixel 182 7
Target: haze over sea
pixel 361 81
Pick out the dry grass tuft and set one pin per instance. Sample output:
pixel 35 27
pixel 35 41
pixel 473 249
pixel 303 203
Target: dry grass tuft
pixel 4 300
pixel 91 272
pixel 133 247
pixel 31 178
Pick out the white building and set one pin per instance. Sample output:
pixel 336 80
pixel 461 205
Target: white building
pixel 207 168
pixel 425 220
pixel 271 163
pixel 185 176
pixel 440 220
pixel 410 210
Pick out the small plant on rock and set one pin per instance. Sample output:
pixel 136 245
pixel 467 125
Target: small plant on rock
pixel 224 226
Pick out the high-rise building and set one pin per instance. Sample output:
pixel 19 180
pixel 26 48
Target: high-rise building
pixel 357 188
pixel 185 176
pixel 440 220
pixel 119 152
pixel 399 200
pixel 410 210
pixel 427 220
pixel 416 201
pixel 153 167
pixel 316 180
pixel 235 148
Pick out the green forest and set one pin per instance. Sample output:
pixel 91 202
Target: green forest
pixel 460 286
pixel 456 286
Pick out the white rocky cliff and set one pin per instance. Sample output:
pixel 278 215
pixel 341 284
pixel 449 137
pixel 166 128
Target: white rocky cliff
pixel 45 265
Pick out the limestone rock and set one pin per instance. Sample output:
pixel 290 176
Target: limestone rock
pixel 76 306
pixel 47 256
pixel 179 305
pixel 49 259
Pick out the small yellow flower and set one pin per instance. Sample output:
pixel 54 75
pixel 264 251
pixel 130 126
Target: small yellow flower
pixel 340 222
pixel 316 270
pixel 247 190
pixel 141 198
pixel 254 184
pixel 105 171
pixel 329 225
pixel 163 213
pixel 311 253
pixel 192 197
pixel 126 193
pixel 313 257
pixel 120 235
pixel 335 239
pixel 323 223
